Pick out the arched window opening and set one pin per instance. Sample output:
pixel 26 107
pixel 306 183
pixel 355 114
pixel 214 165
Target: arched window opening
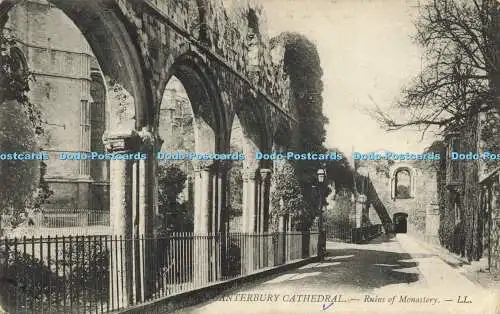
pixel 19 64
pixel 403 184
pixel 71 102
pixel 253 24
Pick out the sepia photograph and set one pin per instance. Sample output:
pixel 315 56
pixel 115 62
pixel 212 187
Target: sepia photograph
pixel 249 156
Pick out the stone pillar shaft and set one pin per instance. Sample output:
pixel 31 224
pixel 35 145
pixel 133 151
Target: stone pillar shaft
pixel 249 221
pixel 202 206
pixel 203 241
pixel 263 216
pixel 121 222
pixel 249 204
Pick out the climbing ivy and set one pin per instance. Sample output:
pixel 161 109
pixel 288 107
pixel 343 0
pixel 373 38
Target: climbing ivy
pixel 20 127
pixel 288 189
pixel 15 80
pixel 302 64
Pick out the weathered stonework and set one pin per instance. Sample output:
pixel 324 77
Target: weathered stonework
pixel 228 68
pixel 423 196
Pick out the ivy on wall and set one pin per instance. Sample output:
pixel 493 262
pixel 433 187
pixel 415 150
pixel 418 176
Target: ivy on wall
pixel 289 190
pixel 15 80
pixel 302 64
pixel 20 127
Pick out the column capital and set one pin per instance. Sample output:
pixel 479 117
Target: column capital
pixel 224 165
pixel 202 165
pixel 361 199
pixel 265 173
pixel 121 142
pixel 248 174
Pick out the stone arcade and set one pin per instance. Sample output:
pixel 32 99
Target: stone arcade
pixel 228 68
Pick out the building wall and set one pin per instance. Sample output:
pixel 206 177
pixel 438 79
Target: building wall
pixel 61 60
pixel 425 192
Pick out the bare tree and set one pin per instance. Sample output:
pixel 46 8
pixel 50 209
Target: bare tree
pixel 462 72
pixel 461 79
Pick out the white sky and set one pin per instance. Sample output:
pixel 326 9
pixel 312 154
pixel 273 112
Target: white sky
pixel 365 50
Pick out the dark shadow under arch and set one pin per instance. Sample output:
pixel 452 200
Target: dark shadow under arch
pixel 400 222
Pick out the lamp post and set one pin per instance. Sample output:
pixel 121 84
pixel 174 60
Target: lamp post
pixel 322 236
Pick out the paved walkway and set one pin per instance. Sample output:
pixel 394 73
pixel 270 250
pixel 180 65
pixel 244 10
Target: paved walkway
pixel 387 275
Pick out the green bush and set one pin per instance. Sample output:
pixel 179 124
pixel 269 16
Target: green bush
pixel 29 283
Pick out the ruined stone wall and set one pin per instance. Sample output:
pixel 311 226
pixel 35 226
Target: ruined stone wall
pixel 220 35
pixel 416 207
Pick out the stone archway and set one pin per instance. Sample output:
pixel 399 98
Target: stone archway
pixel 256 173
pixel 209 137
pixel 400 221
pixel 128 97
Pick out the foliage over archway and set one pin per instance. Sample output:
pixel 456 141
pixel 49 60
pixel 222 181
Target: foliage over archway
pixel 302 64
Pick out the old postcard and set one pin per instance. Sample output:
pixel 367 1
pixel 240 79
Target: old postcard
pixel 249 156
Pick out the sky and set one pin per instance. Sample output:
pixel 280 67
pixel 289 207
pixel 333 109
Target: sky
pixel 367 56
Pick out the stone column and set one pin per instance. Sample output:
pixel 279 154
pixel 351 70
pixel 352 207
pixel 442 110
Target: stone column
pixel 158 222
pixel 222 241
pixel 432 223
pixel 263 218
pixel 249 220
pixel 144 218
pixel 202 210
pixel 356 216
pixel 265 175
pixel 249 204
pixel 393 188
pixel 360 205
pixel 121 215
pixel 202 251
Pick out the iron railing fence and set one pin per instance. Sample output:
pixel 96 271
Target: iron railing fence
pixel 57 218
pixel 101 274
pixel 348 234
pixel 366 233
pixel 339 232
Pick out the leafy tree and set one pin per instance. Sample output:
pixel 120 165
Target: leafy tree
pixel 302 64
pixel 340 173
pixel 171 182
pixel 236 188
pixel 19 178
pixel 337 217
pixel 289 190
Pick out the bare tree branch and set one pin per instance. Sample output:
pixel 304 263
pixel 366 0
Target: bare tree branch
pixel 462 63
